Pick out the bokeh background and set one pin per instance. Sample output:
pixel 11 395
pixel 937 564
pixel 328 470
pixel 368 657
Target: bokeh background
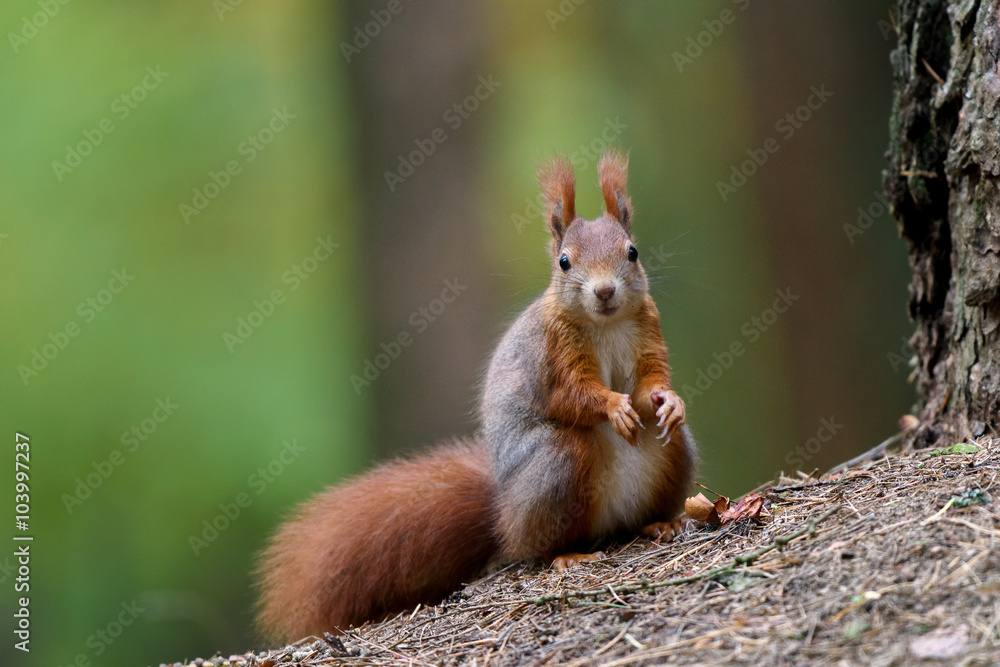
pixel 690 88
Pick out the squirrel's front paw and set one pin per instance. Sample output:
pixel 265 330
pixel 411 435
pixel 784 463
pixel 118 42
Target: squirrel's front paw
pixel 670 409
pixel 623 418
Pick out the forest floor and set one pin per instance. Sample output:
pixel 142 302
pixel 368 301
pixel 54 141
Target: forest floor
pixel 894 561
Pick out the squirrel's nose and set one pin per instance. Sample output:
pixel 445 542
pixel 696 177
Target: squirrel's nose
pixel 604 292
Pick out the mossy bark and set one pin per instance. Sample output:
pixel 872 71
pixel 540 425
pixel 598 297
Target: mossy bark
pixel 944 163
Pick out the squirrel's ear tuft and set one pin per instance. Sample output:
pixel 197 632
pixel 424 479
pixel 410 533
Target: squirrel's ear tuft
pixel 613 173
pixel 559 187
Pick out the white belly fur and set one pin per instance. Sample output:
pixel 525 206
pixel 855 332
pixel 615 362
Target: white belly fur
pixel 630 473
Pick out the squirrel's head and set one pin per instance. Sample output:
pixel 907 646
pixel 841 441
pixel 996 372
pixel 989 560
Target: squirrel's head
pixel 596 272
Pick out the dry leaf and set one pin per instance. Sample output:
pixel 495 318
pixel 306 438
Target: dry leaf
pixel 701 508
pixel 750 507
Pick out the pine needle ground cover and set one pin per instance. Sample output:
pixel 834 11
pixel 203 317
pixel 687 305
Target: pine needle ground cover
pixel 890 562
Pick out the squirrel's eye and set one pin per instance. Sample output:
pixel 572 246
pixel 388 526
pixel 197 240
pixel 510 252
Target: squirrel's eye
pixel 564 263
pixel 633 254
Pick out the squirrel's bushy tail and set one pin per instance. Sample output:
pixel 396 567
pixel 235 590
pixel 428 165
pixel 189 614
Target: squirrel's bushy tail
pixel 409 531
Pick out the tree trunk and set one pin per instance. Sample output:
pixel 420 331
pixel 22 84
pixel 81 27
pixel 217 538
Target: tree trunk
pixel 424 231
pixel 944 160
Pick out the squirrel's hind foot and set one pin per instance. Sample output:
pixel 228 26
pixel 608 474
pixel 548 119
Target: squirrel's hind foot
pixel 668 530
pixel 567 561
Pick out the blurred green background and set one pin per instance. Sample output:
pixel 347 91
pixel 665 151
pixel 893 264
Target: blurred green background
pixel 309 114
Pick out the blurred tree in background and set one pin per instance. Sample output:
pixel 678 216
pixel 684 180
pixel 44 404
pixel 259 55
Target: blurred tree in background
pixel 284 189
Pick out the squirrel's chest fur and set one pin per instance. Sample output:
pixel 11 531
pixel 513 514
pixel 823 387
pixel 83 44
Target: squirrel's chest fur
pixel 616 349
pixel 627 476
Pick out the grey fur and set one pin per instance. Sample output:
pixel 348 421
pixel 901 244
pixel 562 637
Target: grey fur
pixel 511 405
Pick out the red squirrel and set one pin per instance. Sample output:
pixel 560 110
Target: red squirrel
pixel 581 438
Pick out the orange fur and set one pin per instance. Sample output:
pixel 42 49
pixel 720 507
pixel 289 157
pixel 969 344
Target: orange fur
pixel 576 395
pixel 674 481
pixel 409 531
pixel 652 370
pixel 613 173
pixel 559 187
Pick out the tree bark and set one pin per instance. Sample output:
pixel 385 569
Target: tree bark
pixel 944 160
